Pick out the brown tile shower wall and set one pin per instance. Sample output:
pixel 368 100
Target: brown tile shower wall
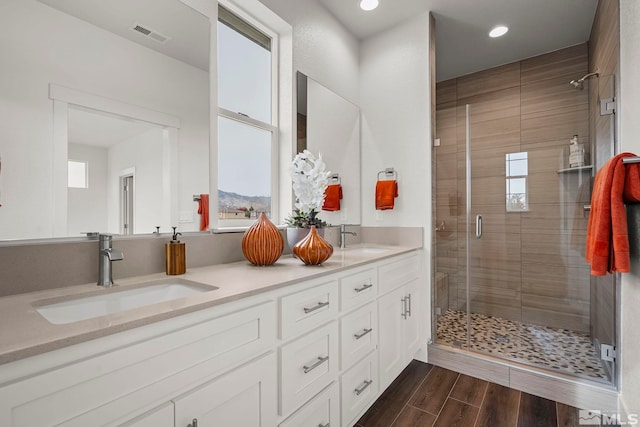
pixel 528 266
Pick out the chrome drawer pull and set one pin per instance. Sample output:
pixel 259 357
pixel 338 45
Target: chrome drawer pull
pixel 317 307
pixel 363 288
pixel 363 387
pixel 404 308
pixel 193 423
pixel 364 332
pixel 324 425
pixel 320 361
pixel 409 309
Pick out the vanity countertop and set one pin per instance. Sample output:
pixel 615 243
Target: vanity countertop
pixel 26 333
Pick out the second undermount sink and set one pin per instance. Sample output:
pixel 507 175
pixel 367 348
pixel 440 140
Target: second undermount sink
pixel 114 300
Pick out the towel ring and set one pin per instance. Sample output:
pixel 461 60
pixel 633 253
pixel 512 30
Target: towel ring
pixel 389 173
pixel 334 178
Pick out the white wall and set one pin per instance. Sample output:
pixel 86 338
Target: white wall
pixel 396 129
pixel 63 50
pixel 630 141
pixel 87 207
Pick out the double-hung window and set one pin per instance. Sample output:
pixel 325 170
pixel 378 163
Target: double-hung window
pixel 247 132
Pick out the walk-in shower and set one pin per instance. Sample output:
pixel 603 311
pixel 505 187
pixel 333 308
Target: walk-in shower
pixel 510 219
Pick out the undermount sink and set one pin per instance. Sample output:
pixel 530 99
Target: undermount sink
pixel 367 250
pixel 114 300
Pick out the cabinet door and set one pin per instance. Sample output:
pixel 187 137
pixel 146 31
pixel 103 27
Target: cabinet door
pixel 391 335
pixel 245 397
pixel 411 325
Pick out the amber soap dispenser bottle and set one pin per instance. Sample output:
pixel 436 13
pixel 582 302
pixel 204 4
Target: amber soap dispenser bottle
pixel 176 255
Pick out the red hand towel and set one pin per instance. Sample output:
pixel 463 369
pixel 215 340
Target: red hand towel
pixel 203 210
pixel 386 192
pixel 607 239
pixel 332 197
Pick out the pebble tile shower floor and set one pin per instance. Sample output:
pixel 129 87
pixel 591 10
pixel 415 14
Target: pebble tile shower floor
pixel 559 349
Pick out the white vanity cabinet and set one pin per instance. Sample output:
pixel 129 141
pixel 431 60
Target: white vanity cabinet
pixel 398 328
pixel 315 353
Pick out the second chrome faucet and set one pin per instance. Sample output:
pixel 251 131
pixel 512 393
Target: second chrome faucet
pixel 343 235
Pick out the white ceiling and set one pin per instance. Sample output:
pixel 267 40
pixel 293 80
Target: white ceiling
pixel 90 127
pixel 462 43
pixel 188 30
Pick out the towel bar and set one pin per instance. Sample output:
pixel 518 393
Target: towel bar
pixel 388 173
pixel 628 160
pixel 196 198
pixel 334 178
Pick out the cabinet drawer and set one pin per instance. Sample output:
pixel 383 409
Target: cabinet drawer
pixel 358 334
pixel 307 309
pixel 307 365
pixel 322 410
pixel 358 288
pixel 397 273
pixel 359 387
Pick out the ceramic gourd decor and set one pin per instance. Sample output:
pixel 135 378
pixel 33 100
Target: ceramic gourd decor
pixel 313 249
pixel 262 243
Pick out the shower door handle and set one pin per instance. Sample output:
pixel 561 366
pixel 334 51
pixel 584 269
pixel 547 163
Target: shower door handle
pixel 478 226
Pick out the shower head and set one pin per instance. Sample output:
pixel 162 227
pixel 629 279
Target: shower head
pixel 577 84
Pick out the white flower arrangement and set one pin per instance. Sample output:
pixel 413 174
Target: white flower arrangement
pixel 310 179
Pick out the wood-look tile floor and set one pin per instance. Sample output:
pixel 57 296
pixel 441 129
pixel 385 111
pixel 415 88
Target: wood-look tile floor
pixel 425 395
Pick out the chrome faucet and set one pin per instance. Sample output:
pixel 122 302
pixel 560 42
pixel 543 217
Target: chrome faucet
pixel 343 237
pixel 106 254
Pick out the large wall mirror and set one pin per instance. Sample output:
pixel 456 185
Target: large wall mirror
pixel 105 109
pixel 329 124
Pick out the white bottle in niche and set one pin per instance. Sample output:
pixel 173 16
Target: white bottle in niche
pixel 576 153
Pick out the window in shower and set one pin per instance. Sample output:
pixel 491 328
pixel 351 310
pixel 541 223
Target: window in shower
pixel 517 169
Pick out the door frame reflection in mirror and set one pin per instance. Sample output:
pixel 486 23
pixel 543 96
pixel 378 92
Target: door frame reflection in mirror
pixel 64 98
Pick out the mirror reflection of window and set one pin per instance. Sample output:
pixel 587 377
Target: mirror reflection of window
pixel 517 169
pixel 78 174
pixel 247 147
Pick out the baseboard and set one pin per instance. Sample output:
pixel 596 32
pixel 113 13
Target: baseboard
pixel 575 392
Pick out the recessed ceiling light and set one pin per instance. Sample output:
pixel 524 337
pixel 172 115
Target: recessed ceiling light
pixel 369 4
pixel 498 31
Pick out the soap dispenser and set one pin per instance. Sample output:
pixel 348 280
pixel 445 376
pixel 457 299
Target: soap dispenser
pixel 176 255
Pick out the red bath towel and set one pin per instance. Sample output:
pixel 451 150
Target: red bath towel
pixel 607 238
pixel 332 197
pixel 203 210
pixel 386 192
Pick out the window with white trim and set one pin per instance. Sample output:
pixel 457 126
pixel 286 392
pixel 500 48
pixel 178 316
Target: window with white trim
pixel 517 169
pixel 247 132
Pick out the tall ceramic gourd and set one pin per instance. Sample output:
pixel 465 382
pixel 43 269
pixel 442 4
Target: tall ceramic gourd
pixel 313 249
pixel 262 243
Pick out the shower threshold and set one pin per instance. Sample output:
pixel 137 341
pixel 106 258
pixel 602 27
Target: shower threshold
pixel 560 350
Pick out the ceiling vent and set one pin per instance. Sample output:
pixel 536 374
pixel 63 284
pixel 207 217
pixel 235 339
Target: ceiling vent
pixel 152 34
